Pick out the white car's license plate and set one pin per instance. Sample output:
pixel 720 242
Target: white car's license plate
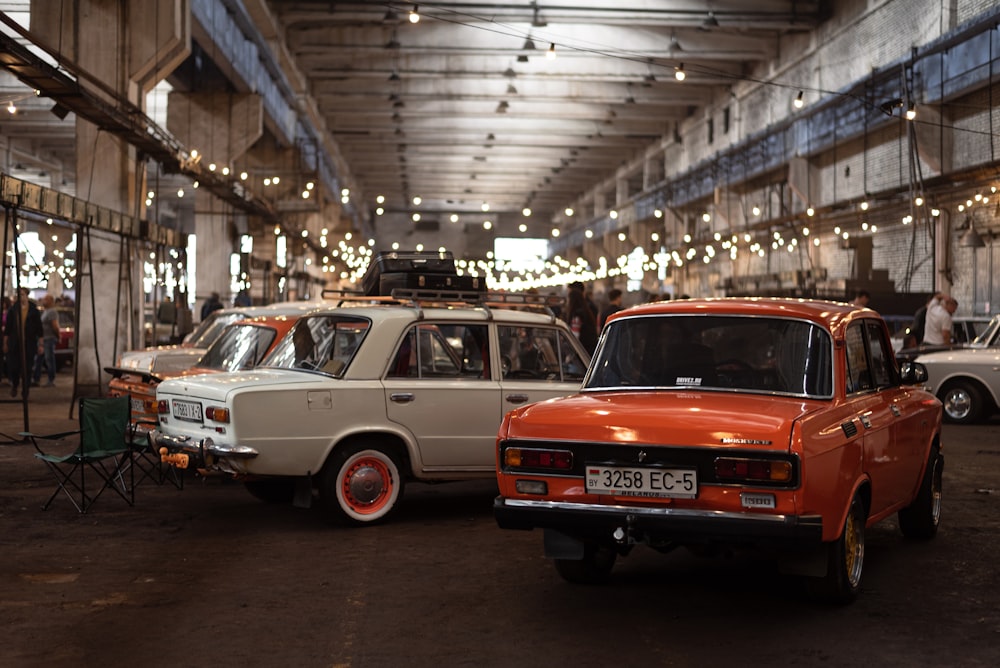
pixel 187 410
pixel 648 482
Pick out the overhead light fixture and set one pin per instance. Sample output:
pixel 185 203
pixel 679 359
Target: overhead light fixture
pixel 529 45
pixel 390 16
pixel 522 58
pixel 511 90
pixel 888 106
pixel 551 53
pixel 391 44
pixel 60 111
pixel 649 78
pixel 536 20
pixel 799 102
pixel 971 238
pixel 679 72
pixel 911 111
pixel 674 44
pixel 510 73
pixel 394 76
pixel 710 22
pixel 415 14
pixel 502 107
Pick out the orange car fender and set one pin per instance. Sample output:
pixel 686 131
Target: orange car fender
pixel 832 472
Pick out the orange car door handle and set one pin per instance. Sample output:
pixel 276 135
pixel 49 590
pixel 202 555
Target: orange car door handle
pixel 401 397
pixel 517 398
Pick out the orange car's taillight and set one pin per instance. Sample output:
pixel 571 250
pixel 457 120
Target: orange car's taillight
pixel 538 458
pixel 748 470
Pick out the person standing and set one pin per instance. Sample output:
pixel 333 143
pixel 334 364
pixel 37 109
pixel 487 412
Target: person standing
pixel 614 305
pixel 916 332
pixel 938 329
pixel 50 338
pixel 213 303
pixel 581 319
pixel 21 332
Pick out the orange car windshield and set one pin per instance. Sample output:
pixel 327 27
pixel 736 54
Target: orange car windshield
pixel 726 353
pixel 324 343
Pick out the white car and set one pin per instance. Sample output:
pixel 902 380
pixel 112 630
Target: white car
pixel 966 380
pixel 356 400
pixel 175 358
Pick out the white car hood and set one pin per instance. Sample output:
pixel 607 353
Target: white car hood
pixel 219 386
pixel 961 356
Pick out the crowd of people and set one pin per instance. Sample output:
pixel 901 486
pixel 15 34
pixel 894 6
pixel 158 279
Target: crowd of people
pixel 30 336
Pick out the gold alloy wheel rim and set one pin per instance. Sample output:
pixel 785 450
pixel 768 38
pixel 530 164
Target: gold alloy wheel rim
pixel 853 549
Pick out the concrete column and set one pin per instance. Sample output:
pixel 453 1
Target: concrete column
pixel 216 242
pixel 127 46
pixel 220 126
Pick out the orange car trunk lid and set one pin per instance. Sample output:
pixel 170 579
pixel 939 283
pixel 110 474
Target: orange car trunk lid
pixel 677 418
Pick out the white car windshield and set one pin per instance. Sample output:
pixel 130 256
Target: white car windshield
pixel 211 328
pixel 989 337
pixel 725 353
pixel 324 343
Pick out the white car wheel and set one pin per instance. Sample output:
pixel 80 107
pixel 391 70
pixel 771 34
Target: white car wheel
pixel 362 485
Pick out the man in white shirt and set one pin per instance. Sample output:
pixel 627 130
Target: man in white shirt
pixel 938 328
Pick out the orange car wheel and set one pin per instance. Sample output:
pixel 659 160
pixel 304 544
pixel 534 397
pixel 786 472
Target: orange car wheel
pixel 920 519
pixel 845 559
pixel 361 486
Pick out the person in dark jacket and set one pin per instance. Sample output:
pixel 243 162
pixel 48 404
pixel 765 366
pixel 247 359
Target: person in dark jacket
pixel 213 303
pixel 21 333
pixel 581 319
pixel 614 305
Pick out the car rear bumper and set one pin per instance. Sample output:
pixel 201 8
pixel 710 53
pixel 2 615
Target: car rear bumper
pixel 655 525
pixel 199 453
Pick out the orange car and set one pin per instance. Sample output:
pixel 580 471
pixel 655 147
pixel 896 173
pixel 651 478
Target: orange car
pixel 727 423
pixel 241 346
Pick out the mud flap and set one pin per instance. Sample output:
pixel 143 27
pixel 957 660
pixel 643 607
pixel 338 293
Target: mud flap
pixel 560 546
pixel 303 495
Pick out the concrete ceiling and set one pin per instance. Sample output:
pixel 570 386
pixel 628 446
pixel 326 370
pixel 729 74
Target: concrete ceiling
pixel 464 106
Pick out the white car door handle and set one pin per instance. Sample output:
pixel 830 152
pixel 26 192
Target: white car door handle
pixel 401 397
pixel 516 398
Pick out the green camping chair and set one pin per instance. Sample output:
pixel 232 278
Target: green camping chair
pixel 100 458
pixel 146 458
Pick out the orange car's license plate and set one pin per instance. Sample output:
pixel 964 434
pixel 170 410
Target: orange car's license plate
pixel 647 482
